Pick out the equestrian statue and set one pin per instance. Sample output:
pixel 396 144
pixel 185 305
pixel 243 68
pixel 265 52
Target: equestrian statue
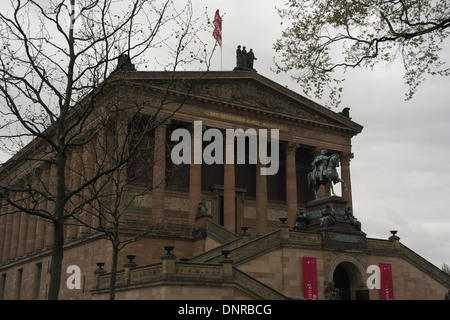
pixel 324 171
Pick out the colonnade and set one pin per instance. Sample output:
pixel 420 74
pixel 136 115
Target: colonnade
pixel 22 234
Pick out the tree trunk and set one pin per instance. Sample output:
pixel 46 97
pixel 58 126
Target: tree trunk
pixel 56 264
pixel 58 233
pixel 112 288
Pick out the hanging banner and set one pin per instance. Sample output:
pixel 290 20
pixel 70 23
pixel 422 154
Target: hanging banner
pixel 387 288
pixel 310 278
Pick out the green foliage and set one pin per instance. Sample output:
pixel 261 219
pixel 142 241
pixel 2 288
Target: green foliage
pixel 327 35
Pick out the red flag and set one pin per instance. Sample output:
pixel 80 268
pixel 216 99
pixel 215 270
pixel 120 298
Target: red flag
pixel 217 33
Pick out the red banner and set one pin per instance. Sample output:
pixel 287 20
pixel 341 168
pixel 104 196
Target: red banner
pixel 387 288
pixel 310 278
pixel 217 33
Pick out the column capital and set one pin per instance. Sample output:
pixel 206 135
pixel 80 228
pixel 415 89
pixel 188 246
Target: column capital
pixel 291 147
pixel 162 122
pixel 191 127
pixel 346 156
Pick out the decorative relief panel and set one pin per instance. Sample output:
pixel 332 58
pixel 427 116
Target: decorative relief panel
pixel 176 204
pixel 275 214
pixel 247 93
pixel 142 201
pixel 145 273
pixel 249 212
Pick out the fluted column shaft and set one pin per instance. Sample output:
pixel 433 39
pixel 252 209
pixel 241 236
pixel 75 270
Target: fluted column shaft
pixel 261 201
pixel 195 180
pixel 291 183
pixel 345 175
pixel 159 174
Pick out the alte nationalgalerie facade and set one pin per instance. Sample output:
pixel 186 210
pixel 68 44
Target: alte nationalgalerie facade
pixel 255 231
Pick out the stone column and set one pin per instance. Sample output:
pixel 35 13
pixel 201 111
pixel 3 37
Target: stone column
pixel 23 233
pixel 195 180
pixel 83 158
pixel 229 189
pixel 15 231
pixel 31 238
pixel 71 223
pixel 40 234
pixel 159 174
pixel 8 232
pixel 40 224
pixel 345 175
pixel 3 219
pixel 229 197
pixel 49 236
pixel 291 183
pixel 261 201
pixel 49 227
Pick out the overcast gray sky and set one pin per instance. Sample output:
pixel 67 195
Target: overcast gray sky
pixel 400 175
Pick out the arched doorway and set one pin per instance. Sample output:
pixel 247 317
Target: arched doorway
pixel 349 277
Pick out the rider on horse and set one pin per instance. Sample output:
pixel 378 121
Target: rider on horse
pixel 320 164
pixel 324 172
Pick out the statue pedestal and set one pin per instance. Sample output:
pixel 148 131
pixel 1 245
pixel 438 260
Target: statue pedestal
pixel 244 69
pixel 201 221
pixel 315 208
pixel 341 234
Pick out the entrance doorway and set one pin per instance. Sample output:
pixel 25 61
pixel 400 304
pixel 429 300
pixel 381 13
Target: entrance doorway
pixel 342 282
pixel 349 281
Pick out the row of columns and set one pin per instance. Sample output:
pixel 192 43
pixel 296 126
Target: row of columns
pixel 21 233
pixel 261 190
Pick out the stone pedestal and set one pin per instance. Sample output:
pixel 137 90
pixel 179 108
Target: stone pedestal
pixel 315 208
pixel 342 234
pixel 201 221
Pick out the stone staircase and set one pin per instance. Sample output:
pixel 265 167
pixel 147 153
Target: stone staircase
pixel 241 249
pixel 212 267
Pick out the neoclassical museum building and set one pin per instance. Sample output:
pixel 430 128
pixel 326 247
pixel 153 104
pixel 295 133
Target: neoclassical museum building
pixel 223 230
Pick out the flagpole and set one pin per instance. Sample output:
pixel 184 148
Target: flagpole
pixel 221 43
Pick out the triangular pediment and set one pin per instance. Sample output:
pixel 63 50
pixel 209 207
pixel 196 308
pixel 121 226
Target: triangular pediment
pixel 251 90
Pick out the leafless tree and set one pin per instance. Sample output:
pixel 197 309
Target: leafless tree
pixel 59 59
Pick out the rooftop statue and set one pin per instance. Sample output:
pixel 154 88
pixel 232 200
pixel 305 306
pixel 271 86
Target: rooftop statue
pixel 244 59
pixel 124 63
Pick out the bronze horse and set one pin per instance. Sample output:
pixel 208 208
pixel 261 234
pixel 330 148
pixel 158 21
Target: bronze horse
pixel 314 181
